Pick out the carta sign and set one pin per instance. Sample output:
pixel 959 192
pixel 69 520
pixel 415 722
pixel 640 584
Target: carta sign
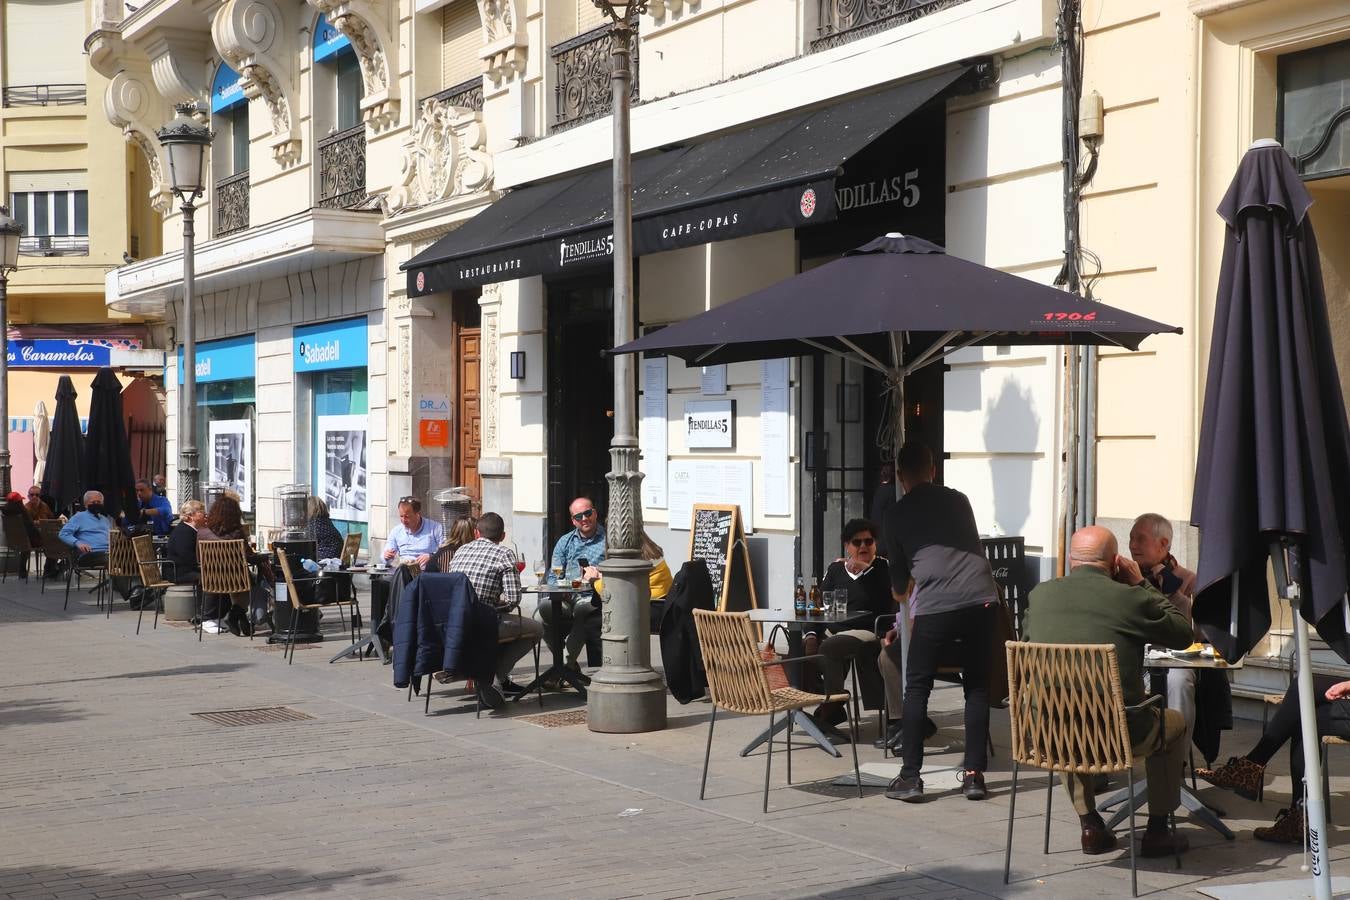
pixel 331 345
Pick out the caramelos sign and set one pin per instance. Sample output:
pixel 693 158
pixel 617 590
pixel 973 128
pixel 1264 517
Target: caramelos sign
pixel 56 353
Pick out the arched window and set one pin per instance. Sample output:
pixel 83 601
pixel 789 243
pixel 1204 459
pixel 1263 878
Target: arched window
pixel 334 53
pixel 229 114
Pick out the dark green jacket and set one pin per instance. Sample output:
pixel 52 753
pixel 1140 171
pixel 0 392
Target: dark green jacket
pixel 1089 607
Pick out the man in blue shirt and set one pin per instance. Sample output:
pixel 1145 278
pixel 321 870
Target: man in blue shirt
pixel 414 537
pixel 87 532
pixel 585 542
pixel 155 511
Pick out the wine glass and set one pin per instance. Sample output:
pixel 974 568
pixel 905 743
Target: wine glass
pixel 557 574
pixel 539 570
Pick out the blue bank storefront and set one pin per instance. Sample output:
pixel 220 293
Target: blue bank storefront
pixel 226 413
pixel 331 378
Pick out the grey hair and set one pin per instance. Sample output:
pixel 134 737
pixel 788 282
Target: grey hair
pixel 88 494
pixel 191 508
pixel 1162 529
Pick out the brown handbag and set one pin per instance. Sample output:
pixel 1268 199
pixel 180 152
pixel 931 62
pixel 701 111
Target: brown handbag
pixel 775 674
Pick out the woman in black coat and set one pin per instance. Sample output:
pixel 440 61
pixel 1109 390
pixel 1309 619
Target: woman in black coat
pixel 181 549
pixel 13 509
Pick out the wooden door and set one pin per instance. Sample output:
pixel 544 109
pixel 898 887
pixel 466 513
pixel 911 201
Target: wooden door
pixel 468 441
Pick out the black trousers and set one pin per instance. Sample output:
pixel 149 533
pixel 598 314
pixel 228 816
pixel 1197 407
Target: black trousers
pixel 958 637
pixel 1333 718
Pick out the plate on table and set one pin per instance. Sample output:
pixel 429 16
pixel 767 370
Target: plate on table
pixel 1191 652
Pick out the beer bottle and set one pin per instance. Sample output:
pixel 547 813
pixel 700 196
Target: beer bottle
pixel 814 597
pixel 799 599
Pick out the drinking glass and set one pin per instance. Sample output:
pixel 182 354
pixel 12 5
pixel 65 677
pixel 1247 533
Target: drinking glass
pixel 557 574
pixel 840 602
pixel 539 570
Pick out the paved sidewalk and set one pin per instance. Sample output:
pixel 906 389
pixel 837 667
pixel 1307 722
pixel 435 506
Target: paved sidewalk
pixel 111 787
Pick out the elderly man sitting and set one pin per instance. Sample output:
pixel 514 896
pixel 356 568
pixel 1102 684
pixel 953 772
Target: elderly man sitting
pixel 1105 599
pixel 87 532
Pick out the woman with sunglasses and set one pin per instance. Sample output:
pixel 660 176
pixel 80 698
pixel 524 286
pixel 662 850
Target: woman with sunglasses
pixel 867 579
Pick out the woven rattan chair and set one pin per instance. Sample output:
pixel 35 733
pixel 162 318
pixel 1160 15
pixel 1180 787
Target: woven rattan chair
pixel 351 549
pixel 151 574
pixel 737 682
pixel 17 545
pixel 121 561
pixel 1068 715
pixel 295 585
pixel 224 568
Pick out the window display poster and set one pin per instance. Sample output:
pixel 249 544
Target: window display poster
pixel 231 462
pixel 342 469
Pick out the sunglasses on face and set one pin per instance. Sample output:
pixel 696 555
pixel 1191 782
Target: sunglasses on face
pixel 863 542
pixel 583 515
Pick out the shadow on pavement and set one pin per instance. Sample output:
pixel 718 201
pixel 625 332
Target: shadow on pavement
pixel 235 881
pixel 203 669
pixel 37 712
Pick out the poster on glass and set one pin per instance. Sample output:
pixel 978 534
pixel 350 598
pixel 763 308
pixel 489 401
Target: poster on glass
pixel 231 447
pixel 342 443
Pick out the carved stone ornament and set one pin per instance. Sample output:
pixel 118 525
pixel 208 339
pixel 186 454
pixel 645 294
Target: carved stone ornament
pixel 443 157
pixel 131 103
pixel 659 9
pixel 505 43
pixel 623 530
pixel 364 24
pixel 250 36
pixel 491 367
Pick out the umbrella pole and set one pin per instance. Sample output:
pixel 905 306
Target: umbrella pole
pixel 1314 803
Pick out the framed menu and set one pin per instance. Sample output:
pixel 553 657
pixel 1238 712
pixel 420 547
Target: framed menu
pixel 717 538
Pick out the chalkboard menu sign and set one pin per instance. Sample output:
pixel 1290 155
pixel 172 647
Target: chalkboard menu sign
pixel 717 537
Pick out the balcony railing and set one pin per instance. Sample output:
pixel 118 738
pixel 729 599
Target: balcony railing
pixel 342 169
pixel 468 94
pixel 54 245
pixel 44 95
pixel 231 202
pixel 581 77
pixel 841 21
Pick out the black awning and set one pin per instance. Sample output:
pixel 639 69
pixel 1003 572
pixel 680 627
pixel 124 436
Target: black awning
pixel 773 175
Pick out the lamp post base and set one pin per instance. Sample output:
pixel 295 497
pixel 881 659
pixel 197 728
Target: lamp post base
pixel 626 696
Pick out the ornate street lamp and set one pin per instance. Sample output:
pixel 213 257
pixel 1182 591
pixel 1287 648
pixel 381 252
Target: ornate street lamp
pixel 11 233
pixel 185 141
pixel 626 695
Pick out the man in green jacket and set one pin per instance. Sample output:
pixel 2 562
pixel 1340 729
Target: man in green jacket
pixel 1106 600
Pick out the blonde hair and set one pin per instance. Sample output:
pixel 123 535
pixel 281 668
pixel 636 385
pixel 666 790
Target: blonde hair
pixel 191 508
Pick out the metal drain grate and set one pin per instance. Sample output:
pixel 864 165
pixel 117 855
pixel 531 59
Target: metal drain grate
pixel 265 647
pixel 266 715
pixel 555 720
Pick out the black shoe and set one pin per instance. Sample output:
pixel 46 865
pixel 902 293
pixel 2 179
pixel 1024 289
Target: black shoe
pixel 972 785
pixel 891 740
pixel 232 622
pixel 488 695
pixel 245 625
pixel 908 789
pixel 510 687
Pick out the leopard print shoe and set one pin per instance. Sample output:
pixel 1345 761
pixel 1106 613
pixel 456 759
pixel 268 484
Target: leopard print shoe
pixel 1289 827
pixel 1239 774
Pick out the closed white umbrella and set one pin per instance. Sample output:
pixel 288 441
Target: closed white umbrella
pixel 42 435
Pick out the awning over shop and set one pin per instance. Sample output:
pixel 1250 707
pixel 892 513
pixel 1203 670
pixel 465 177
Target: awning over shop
pixel 773 175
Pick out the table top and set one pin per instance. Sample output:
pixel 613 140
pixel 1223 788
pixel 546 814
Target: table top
pixel 554 589
pixel 1165 660
pixel 789 617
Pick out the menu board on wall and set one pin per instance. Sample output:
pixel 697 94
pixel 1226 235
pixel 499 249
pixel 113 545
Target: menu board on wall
pixel 710 481
pixel 718 540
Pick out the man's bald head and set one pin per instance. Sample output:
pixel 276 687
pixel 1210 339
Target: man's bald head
pixel 1093 546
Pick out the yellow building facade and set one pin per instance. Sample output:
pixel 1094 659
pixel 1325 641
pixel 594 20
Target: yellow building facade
pixel 67 175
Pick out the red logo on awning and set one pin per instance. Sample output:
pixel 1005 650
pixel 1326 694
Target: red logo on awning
pixel 808 204
pixel 421 281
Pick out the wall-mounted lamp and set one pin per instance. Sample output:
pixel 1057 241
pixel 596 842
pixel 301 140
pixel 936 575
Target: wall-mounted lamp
pixel 518 364
pixel 848 407
pixel 817 450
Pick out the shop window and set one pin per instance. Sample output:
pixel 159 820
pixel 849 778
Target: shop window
pixel 1314 109
pixel 338 90
pixel 339 399
pixel 461 46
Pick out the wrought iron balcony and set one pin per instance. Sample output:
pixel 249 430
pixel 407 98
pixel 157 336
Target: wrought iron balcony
pixel 231 203
pixel 342 169
pixel 468 94
pixel 841 21
pixel 54 245
pixel 581 87
pixel 44 95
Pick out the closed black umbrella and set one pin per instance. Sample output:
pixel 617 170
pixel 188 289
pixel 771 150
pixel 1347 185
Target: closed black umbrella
pixel 107 453
pixel 63 480
pixel 1273 471
pixel 896 302
pixel 1274 456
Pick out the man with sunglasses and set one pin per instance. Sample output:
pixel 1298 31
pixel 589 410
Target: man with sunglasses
pixel 577 554
pixel 867 579
pixel 936 557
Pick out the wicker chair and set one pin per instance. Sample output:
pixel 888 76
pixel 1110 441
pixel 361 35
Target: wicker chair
pixel 224 568
pixel 737 682
pixel 297 605
pixel 351 548
pixel 121 561
pixel 151 575
pixel 1068 715
pixel 17 545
